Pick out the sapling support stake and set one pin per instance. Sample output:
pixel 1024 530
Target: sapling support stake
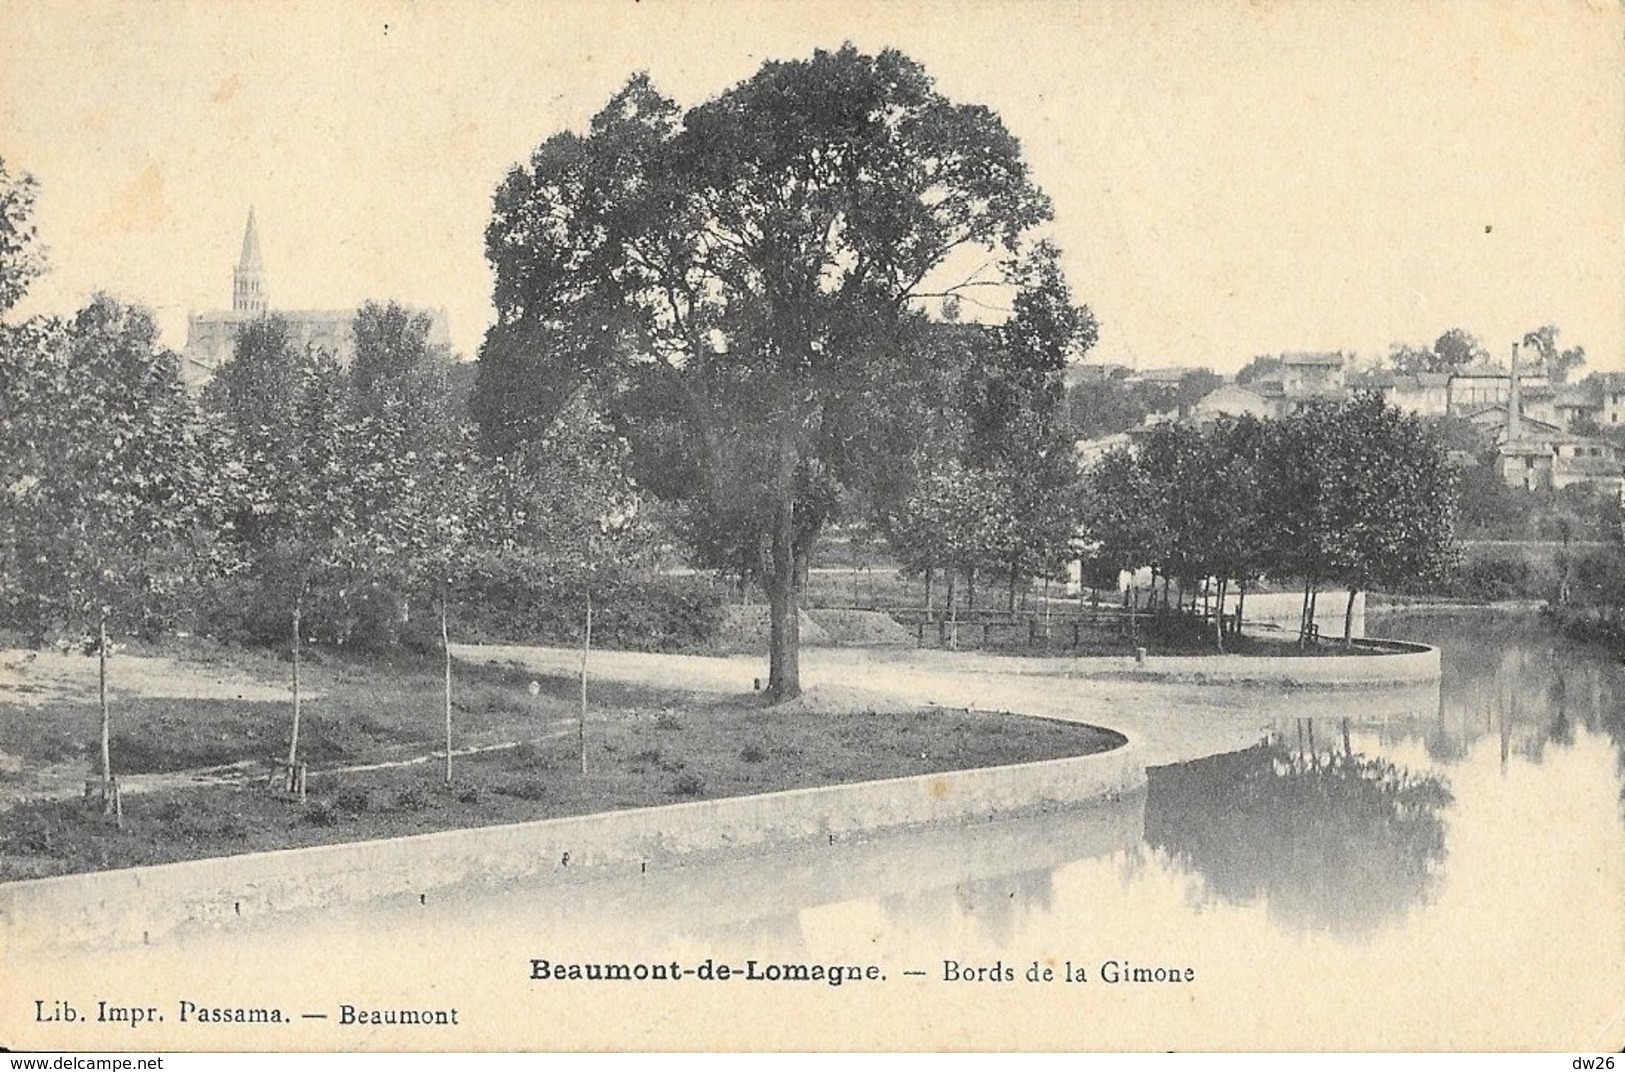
pixel 445 647
pixel 111 805
pixel 581 723
pixel 293 738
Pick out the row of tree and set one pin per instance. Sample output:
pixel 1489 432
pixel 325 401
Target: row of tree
pixel 297 490
pixel 1353 493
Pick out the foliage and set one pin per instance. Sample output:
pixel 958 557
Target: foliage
pixel 743 267
pixel 21 259
pixel 1354 492
pixel 1102 407
pixel 102 475
pixel 1555 363
pixel 1452 351
pixel 1457 349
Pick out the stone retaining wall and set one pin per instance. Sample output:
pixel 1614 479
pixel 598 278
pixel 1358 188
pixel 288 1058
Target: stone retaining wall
pixel 1400 663
pixel 140 904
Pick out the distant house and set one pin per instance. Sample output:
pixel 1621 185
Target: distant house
pixel 1478 386
pixel 1538 455
pixel 1311 374
pixel 1495 419
pixel 1611 405
pixel 1543 461
pixel 1090 451
pixel 1233 401
pixel 1160 377
pixel 1573 404
pixel 1525 464
pixel 1083 373
pixel 1539 401
pixel 1426 394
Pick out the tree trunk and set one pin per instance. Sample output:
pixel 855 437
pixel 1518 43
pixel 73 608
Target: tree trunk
pixel 293 738
pixel 784 633
pixel 1303 614
pixel 581 723
pixel 1313 609
pixel 1241 603
pixel 970 588
pixel 445 647
pixel 1218 619
pixel 107 717
pixel 1010 602
pixel 1348 618
pixel 928 592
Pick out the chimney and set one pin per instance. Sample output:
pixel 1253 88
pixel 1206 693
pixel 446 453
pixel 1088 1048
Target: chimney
pixel 1514 402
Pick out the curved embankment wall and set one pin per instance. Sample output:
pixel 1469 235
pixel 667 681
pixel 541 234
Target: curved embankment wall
pixel 1399 663
pixel 139 904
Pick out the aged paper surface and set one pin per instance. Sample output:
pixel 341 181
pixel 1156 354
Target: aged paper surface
pixel 369 138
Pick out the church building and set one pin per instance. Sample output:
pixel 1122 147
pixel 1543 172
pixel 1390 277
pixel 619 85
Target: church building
pixel 211 336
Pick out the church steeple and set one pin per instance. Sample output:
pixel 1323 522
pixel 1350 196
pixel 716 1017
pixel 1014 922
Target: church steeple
pixel 248 280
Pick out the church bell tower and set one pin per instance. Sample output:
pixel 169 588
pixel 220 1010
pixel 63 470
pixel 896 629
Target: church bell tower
pixel 248 280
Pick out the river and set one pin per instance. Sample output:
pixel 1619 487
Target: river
pixel 1447 877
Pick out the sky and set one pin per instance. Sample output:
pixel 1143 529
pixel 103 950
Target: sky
pixel 1228 178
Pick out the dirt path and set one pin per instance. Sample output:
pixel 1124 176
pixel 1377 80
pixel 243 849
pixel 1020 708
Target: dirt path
pixel 1169 722
pixel 64 782
pixel 36 677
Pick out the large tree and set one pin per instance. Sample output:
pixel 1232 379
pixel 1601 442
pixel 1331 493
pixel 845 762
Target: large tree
pixel 753 257
pixel 1452 351
pixel 1556 363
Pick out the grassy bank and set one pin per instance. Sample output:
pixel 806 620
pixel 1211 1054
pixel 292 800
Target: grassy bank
pixel 643 747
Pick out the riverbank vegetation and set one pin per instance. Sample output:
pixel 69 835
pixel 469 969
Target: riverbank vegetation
pixel 1353 493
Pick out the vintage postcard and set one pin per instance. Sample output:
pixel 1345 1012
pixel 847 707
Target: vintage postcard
pixel 732 526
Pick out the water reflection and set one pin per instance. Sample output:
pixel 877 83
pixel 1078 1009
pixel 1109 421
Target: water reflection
pixel 1336 839
pixel 1513 678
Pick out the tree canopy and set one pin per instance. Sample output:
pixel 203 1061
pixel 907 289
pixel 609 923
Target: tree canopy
pixel 1452 351
pixel 738 274
pixel 1555 362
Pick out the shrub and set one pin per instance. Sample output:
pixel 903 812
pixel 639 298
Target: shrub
pixel 241 610
pixel 525 789
pixel 354 801
pixel 412 798
pixel 321 813
pixel 520 601
pixel 688 785
pixel 752 754
pixel 528 754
